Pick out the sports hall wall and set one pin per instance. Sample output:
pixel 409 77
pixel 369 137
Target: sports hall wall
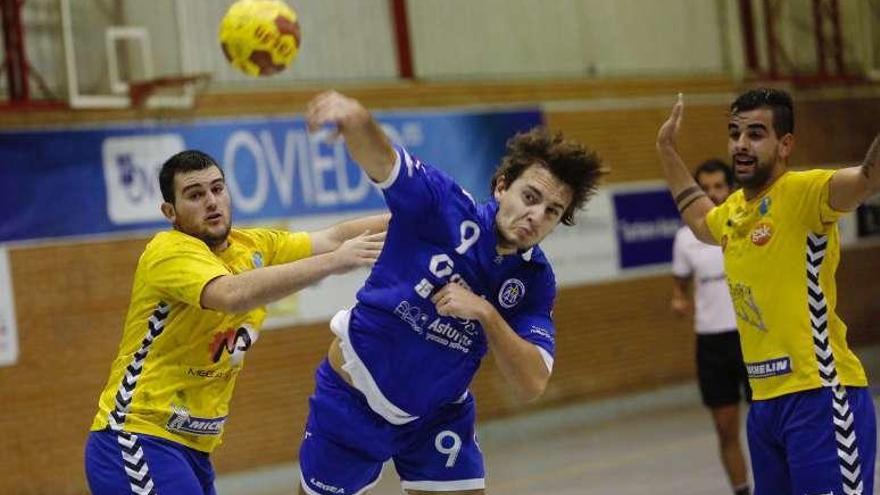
pixel 615 337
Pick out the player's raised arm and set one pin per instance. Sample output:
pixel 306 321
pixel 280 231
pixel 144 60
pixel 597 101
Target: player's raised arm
pixel 691 201
pixel 367 143
pixel 853 185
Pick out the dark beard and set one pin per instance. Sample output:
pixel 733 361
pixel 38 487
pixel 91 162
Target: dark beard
pixel 758 179
pixel 212 241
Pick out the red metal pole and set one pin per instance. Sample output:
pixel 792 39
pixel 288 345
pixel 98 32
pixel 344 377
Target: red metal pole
pixel 747 20
pixel 838 38
pixel 13 42
pixel 401 34
pixel 772 46
pixel 819 32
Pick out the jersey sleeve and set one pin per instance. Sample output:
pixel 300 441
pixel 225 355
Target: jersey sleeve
pixel 534 322
pixel 681 264
pixel 812 190
pixel 414 189
pixel 180 269
pixel 716 218
pixel 281 246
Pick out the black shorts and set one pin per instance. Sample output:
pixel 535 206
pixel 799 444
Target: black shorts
pixel 720 369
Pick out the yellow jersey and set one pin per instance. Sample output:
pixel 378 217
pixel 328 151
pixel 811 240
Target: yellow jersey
pixel 177 363
pixel 781 251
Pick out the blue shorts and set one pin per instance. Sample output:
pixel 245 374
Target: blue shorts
pixel 122 462
pixel 814 442
pixel 345 444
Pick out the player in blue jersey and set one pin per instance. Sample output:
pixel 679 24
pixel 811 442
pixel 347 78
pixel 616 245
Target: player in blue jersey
pixel 456 279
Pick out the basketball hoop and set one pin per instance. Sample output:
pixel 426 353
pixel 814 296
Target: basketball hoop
pixel 140 92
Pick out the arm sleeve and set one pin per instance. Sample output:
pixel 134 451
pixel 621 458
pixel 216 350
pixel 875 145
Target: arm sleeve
pixel 813 189
pixel 534 323
pixel 715 220
pixel 414 189
pixel 282 246
pixel 181 269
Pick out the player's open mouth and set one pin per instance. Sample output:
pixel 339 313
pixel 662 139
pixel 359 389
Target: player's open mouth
pixel 744 163
pixel 214 217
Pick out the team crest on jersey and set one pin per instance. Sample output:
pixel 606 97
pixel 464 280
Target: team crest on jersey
pixel 257 259
pixel 764 207
pixel 762 233
pixel 511 293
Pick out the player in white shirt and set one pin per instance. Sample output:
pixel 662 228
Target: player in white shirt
pixel 720 370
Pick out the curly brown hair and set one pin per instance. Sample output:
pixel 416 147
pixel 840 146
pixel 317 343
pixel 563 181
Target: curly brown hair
pixel 569 161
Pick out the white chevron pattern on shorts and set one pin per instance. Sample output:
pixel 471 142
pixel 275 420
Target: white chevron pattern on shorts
pixel 139 479
pixel 844 429
pixel 136 468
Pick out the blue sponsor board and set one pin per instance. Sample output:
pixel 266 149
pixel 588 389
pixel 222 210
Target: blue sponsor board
pixel 99 180
pixel 646 223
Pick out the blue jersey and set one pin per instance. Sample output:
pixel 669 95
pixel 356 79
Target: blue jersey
pixel 404 357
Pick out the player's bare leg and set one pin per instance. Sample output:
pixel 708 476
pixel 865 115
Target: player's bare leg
pixel 727 426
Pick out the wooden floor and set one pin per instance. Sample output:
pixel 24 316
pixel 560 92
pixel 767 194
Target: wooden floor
pixel 660 443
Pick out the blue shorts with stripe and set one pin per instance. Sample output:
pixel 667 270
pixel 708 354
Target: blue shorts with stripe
pixel 814 442
pixel 346 443
pixel 122 462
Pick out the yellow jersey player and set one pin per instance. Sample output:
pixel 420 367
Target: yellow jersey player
pixel 197 304
pixel 811 427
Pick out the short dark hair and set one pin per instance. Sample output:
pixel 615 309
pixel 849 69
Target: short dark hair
pixel 715 165
pixel 777 100
pixel 569 161
pixel 185 161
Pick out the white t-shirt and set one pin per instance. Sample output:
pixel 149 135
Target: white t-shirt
pixel 705 262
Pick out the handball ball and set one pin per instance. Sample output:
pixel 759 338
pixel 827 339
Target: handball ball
pixel 260 37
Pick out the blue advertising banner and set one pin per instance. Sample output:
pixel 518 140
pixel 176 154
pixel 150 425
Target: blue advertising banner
pixel 91 181
pixel 646 221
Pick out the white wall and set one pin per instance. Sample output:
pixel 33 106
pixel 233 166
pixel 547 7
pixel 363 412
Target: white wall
pixel 466 38
pixel 353 40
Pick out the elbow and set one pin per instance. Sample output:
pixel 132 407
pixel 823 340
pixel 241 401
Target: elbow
pixel 532 390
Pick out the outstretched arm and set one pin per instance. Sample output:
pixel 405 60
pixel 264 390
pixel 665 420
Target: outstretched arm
pixel 519 361
pixel 691 201
pixel 254 288
pixel 853 185
pixel 326 240
pixel 366 142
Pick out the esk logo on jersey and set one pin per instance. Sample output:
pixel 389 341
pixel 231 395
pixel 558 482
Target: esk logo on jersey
pixel 762 233
pixel 234 342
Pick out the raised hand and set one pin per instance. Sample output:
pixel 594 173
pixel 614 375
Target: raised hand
pixel 871 164
pixel 331 107
pixel 669 130
pixel 364 138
